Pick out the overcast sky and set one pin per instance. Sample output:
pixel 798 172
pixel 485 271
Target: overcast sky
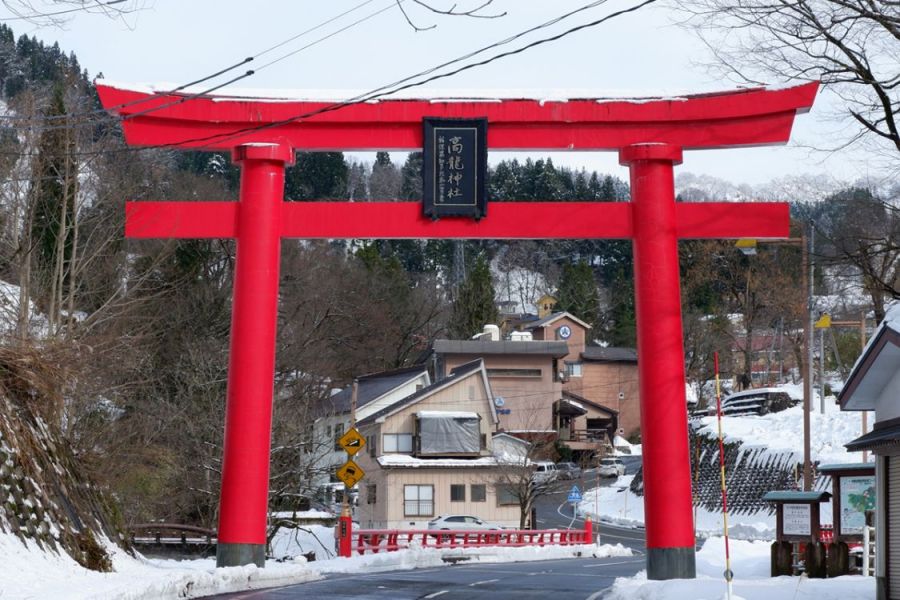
pixel 642 54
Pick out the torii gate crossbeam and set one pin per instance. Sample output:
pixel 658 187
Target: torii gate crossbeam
pixel 649 136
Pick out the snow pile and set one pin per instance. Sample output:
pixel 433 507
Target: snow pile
pixel 750 565
pixel 28 572
pixel 783 431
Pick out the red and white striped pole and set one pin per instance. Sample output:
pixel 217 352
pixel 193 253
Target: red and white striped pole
pixel 729 576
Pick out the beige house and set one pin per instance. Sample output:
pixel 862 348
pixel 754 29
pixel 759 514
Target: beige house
pixel 524 378
pixel 322 456
pixel 431 454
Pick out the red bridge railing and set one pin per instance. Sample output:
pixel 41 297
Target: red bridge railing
pixel 373 541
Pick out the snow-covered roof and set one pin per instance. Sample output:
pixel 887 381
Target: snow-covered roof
pixel 403 460
pixel 446 414
pixel 430 94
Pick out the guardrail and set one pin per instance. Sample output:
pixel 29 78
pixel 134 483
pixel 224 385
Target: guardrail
pixel 373 541
pixel 170 533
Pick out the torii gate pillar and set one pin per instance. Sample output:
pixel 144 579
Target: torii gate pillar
pixel 664 429
pixel 251 365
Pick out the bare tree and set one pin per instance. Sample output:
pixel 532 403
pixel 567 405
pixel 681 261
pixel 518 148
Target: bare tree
pixel 57 13
pixel 852 46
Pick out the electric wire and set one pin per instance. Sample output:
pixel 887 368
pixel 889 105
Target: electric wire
pixel 206 78
pixel 381 92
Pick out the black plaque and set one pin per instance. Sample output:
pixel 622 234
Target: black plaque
pixel 455 168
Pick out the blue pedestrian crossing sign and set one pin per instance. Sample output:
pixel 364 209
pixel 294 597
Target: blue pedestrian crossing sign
pixel 574 495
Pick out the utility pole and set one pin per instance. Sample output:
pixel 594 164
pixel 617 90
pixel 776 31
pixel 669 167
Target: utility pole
pixel 807 279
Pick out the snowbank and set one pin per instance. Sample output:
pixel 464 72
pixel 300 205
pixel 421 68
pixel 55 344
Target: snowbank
pixel 27 572
pixel 750 565
pixel 783 431
pixel 617 505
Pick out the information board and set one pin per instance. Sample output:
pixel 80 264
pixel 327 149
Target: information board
pixel 454 170
pixel 797 519
pixel 857 496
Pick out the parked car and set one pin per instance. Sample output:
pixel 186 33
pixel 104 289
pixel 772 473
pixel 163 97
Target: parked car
pixel 568 470
pixel 460 522
pixel 611 467
pixel 544 472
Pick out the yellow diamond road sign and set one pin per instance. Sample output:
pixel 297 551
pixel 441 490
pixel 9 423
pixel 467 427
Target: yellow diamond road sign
pixel 350 473
pixel 352 442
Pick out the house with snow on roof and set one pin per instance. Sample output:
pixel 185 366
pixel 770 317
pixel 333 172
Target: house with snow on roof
pixel 431 453
pixel 374 392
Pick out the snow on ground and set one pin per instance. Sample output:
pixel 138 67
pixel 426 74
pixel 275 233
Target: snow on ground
pixel 783 431
pixel 750 565
pixel 617 505
pixel 28 573
pixel 777 432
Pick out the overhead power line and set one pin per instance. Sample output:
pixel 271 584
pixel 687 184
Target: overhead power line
pixel 409 82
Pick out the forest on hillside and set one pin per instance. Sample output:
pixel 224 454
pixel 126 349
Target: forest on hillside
pixel 137 331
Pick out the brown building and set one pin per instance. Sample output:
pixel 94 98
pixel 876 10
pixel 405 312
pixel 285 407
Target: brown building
pixel 546 380
pixel 603 378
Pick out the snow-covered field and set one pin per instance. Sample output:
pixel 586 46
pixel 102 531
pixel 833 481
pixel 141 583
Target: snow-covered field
pixel 29 573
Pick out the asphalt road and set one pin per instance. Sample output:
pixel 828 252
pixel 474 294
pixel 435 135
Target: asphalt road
pixel 569 579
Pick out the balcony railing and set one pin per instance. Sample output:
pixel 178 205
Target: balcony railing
pixel 590 436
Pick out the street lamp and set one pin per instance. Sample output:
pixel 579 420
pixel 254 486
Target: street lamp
pixel 748 247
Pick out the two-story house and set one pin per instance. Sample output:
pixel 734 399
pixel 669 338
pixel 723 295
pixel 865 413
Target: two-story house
pixel 431 453
pixel 374 392
pixel 524 376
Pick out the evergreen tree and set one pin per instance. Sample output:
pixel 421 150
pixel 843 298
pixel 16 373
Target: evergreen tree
pixel 475 305
pixel 411 177
pixel 53 192
pixel 384 183
pixel 317 176
pixel 578 293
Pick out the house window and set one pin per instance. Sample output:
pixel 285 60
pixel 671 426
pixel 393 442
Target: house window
pixel 418 500
pixel 457 492
pixel 338 433
pixel 573 369
pixel 506 495
pixel 398 442
pixel 371 442
pixel 371 494
pixel 514 373
pixel 478 492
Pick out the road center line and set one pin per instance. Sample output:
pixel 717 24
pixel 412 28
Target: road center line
pixel 483 582
pixel 436 594
pixel 621 562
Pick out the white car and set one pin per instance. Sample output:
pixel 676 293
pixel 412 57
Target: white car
pixel 545 472
pixel 611 467
pixel 460 522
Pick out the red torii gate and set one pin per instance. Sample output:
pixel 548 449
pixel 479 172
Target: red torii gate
pixel 649 136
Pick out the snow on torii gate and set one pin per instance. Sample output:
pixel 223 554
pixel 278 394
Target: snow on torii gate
pixel 649 136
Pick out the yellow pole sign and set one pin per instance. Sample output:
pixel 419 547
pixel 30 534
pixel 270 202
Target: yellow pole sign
pixel 350 473
pixel 352 441
pixel 824 321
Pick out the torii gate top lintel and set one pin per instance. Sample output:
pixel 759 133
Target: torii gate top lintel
pixel 745 117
